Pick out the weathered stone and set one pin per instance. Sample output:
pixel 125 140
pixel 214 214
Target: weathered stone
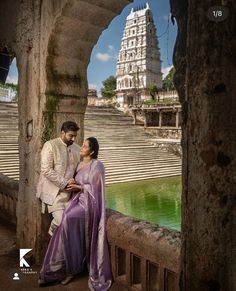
pixel 205 71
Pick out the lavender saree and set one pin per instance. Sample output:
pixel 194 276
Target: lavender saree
pixel 81 237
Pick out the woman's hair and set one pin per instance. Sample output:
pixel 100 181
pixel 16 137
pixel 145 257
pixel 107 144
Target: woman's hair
pixel 94 147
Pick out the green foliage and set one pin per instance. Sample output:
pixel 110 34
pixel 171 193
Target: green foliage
pixel 166 101
pixel 51 107
pixel 109 87
pixel 153 91
pixel 168 81
pixel 12 86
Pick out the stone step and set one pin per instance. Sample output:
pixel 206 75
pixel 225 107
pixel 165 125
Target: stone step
pixel 135 160
pixel 141 171
pixel 145 164
pixel 125 149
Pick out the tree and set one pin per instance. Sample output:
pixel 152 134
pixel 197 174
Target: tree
pixel 109 87
pixel 168 81
pixel 153 90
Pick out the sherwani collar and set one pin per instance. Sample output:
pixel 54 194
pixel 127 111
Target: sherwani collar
pixel 64 143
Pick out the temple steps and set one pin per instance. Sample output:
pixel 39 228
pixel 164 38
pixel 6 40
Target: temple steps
pixel 9 150
pixel 125 149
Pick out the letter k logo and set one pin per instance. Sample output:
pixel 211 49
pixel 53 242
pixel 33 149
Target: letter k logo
pixel 22 260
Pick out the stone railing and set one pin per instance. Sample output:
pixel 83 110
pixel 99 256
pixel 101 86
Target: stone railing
pixel 144 256
pixel 8 198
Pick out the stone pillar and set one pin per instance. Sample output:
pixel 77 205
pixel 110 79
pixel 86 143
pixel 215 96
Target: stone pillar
pixel 134 114
pixel 177 119
pixel 208 260
pixel 145 118
pixel 160 118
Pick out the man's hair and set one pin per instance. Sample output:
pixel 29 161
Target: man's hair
pixel 69 126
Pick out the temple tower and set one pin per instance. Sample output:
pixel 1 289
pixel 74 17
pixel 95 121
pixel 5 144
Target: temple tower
pixel 138 64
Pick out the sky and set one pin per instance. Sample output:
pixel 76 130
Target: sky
pixel 104 55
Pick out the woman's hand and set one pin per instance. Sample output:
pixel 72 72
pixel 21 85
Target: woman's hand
pixel 74 188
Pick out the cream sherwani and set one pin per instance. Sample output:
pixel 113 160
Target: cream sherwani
pixel 58 165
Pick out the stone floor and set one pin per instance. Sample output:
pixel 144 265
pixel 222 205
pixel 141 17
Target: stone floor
pixel 9 264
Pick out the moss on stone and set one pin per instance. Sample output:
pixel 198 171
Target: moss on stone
pixel 51 107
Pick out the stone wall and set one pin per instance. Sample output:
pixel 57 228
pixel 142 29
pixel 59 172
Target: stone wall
pixel 8 198
pixel 164 132
pixel 172 146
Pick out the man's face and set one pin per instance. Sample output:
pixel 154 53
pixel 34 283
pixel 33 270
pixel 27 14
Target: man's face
pixel 68 137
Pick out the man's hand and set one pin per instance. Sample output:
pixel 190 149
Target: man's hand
pixel 74 188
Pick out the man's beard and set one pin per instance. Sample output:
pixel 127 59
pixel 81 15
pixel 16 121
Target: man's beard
pixel 69 142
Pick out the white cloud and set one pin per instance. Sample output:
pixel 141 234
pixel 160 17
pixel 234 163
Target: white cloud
pixel 163 17
pixel 103 57
pixel 92 86
pixel 111 47
pixel 12 79
pixel 165 71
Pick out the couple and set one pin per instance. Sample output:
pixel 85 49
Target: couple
pixel 75 195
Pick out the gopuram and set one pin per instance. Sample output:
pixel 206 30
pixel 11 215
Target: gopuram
pixel 139 64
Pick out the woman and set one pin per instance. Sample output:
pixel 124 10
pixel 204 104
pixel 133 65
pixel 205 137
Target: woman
pixel 81 238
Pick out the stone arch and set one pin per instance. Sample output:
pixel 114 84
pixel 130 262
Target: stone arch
pixel 118 85
pixel 70 44
pixel 53 45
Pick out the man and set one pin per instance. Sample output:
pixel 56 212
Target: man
pixel 59 160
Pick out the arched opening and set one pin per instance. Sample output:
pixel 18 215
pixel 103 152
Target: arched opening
pixel 103 63
pixel 9 158
pixel 9 149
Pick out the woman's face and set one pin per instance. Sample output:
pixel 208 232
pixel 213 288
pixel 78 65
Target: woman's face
pixel 85 149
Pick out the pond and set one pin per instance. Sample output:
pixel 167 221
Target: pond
pixel 155 200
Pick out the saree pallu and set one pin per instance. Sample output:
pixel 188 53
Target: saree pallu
pixel 80 239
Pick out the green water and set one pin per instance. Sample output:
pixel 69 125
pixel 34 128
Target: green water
pixel 156 200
